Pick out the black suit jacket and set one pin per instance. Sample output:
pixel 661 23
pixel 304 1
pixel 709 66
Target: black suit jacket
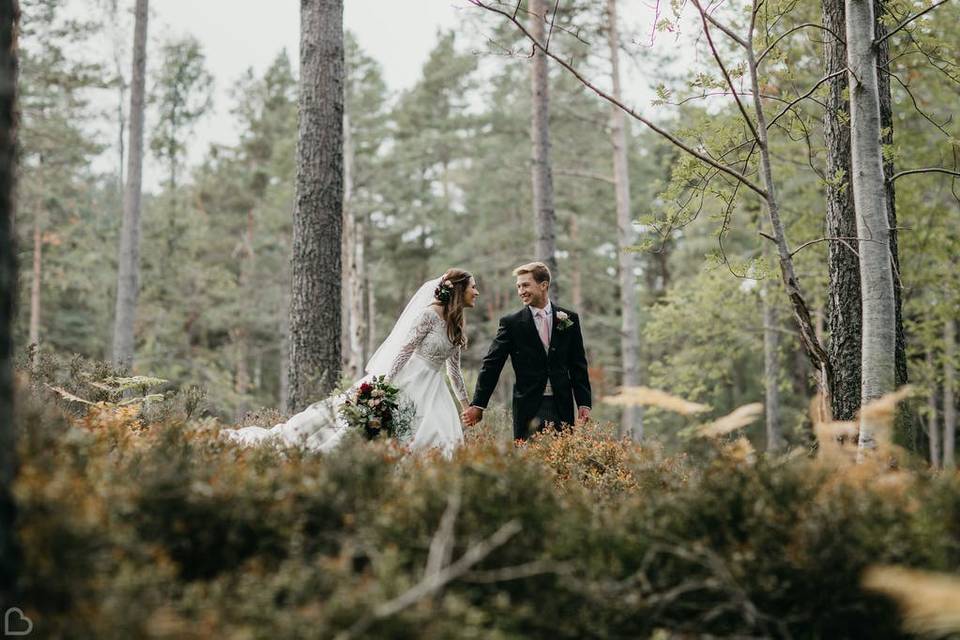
pixel 565 365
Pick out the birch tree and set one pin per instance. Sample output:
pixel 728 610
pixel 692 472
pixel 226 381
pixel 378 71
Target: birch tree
pixel 318 215
pixel 9 23
pixel 933 426
pixel 632 418
pixel 844 308
pixel 870 200
pixel 128 262
pixel 949 394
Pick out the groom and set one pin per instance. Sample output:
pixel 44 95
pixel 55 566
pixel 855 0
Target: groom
pixel 545 345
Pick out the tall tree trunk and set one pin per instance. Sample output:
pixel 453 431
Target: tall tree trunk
pixel 352 299
pixel 9 555
pixel 284 385
pixel 632 417
pixel 886 130
pixel 576 274
pixel 933 426
pixel 545 215
pixel 771 365
pixel 371 315
pixel 949 394
pixel 240 335
pixel 844 304
pixel 37 280
pixel 358 325
pixel 317 221
pixel 878 347
pixel 843 301
pixel 128 264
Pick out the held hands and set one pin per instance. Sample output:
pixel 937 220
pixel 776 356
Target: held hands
pixel 471 415
pixel 583 415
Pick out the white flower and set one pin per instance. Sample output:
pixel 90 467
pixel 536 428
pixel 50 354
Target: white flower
pixel 562 315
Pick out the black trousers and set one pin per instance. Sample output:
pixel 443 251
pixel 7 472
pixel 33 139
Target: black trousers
pixel 547 415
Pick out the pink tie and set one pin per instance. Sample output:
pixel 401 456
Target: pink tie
pixel 542 328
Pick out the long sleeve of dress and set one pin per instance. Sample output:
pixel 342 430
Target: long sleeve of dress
pixel 417 334
pixel 456 377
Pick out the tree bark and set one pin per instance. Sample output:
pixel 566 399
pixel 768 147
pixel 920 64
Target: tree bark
pixel 36 281
pixel 371 315
pixel 933 426
pixel 9 554
pixel 843 299
pixel 284 358
pixel 544 213
pixel 318 216
pixel 353 300
pixel 576 274
pixel 632 417
pixel 844 305
pixel 771 366
pixel 949 394
pixel 128 263
pixel 347 249
pixel 886 131
pixel 878 346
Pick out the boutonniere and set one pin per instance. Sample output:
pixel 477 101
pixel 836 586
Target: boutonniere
pixel 563 321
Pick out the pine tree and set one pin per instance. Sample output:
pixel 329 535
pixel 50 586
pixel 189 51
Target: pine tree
pixel 128 263
pixel 318 216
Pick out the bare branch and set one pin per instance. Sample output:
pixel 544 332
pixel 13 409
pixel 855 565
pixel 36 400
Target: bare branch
pixel 723 69
pixel 431 583
pixel 577 173
pixel 899 174
pixel 725 29
pixel 879 41
pixel 842 240
pixel 611 99
pixel 796 28
pixel 809 93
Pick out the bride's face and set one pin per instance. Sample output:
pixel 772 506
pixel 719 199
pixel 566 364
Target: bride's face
pixel 471 294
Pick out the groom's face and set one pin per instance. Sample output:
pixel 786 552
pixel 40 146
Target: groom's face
pixel 532 292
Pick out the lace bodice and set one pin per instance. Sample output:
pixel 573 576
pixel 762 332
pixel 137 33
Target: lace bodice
pixel 428 339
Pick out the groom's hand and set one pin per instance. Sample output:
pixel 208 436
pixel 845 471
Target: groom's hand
pixel 583 415
pixel 472 415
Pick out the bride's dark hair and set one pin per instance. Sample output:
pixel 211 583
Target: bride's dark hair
pixel 449 297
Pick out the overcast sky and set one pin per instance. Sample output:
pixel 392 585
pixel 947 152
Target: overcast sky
pixel 239 34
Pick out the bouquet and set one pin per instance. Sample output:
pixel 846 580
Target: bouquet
pixel 378 408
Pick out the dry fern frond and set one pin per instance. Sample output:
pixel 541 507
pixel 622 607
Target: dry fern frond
pixel 646 397
pixel 837 442
pixel 739 417
pixel 883 408
pixel 929 602
pixel 66 395
pixel 741 450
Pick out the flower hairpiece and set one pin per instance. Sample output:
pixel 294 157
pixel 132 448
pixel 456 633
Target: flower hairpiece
pixel 444 291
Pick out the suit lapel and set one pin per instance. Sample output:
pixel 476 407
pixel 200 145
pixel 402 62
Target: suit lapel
pixel 553 322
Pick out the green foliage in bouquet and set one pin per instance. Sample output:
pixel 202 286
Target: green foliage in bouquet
pixel 377 408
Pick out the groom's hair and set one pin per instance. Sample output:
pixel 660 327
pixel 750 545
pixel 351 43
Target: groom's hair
pixel 539 271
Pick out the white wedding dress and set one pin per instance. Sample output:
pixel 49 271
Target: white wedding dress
pixel 416 368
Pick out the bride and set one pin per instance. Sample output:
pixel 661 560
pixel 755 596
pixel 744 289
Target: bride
pixel 428 336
